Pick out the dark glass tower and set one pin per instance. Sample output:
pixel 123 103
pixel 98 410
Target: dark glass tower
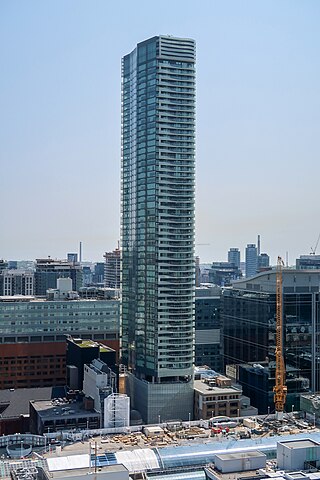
pixel 249 334
pixel 158 135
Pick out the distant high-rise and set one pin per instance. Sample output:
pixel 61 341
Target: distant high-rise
pixel 158 271
pixel 234 257
pixel 112 269
pixel 72 257
pixel 251 260
pixel 263 261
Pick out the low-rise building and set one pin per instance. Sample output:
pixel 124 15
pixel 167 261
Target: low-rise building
pixel 215 396
pixel 14 407
pixel 33 335
pixel 61 414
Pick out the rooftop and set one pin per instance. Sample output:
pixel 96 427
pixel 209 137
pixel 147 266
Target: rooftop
pixel 305 443
pixel 48 409
pixel 76 471
pixel 206 389
pixel 240 455
pixel 14 403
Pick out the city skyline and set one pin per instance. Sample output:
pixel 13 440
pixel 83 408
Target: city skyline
pixel 257 122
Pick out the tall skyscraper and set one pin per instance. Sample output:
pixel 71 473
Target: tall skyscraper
pixel 158 273
pixel 251 260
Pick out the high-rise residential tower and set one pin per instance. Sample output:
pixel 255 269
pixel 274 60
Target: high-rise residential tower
pixel 158 273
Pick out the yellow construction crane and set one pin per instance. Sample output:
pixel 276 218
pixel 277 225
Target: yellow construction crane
pixel 280 389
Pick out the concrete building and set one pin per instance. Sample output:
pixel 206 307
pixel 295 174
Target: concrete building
pixel 208 344
pixel 99 382
pixel 251 260
pixel 215 396
pixel 234 257
pixel 33 336
pixel 16 282
pixel 157 230
pixel 240 462
pixel 112 269
pixel 298 455
pixel 49 270
pixel 249 320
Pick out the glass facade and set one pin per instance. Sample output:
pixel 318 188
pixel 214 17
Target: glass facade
pixel 158 173
pixel 249 332
pixel 208 349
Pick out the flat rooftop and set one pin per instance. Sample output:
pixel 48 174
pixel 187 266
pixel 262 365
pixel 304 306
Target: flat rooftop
pixel 204 388
pixel 240 455
pixel 61 408
pixel 14 403
pixel 101 471
pixel 305 443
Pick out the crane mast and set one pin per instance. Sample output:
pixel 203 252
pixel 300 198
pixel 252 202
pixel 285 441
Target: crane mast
pixel 280 389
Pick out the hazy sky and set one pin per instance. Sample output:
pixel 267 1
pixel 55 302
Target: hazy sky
pixel 258 122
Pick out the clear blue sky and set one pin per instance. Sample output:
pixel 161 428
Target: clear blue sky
pixel 258 121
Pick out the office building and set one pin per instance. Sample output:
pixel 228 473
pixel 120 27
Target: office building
pixel 112 269
pixel 98 274
pixel 158 271
pixel 33 336
pixel 234 257
pixel 249 331
pixel 223 273
pixel 208 343
pixel 251 260
pixel 308 262
pixel 49 270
